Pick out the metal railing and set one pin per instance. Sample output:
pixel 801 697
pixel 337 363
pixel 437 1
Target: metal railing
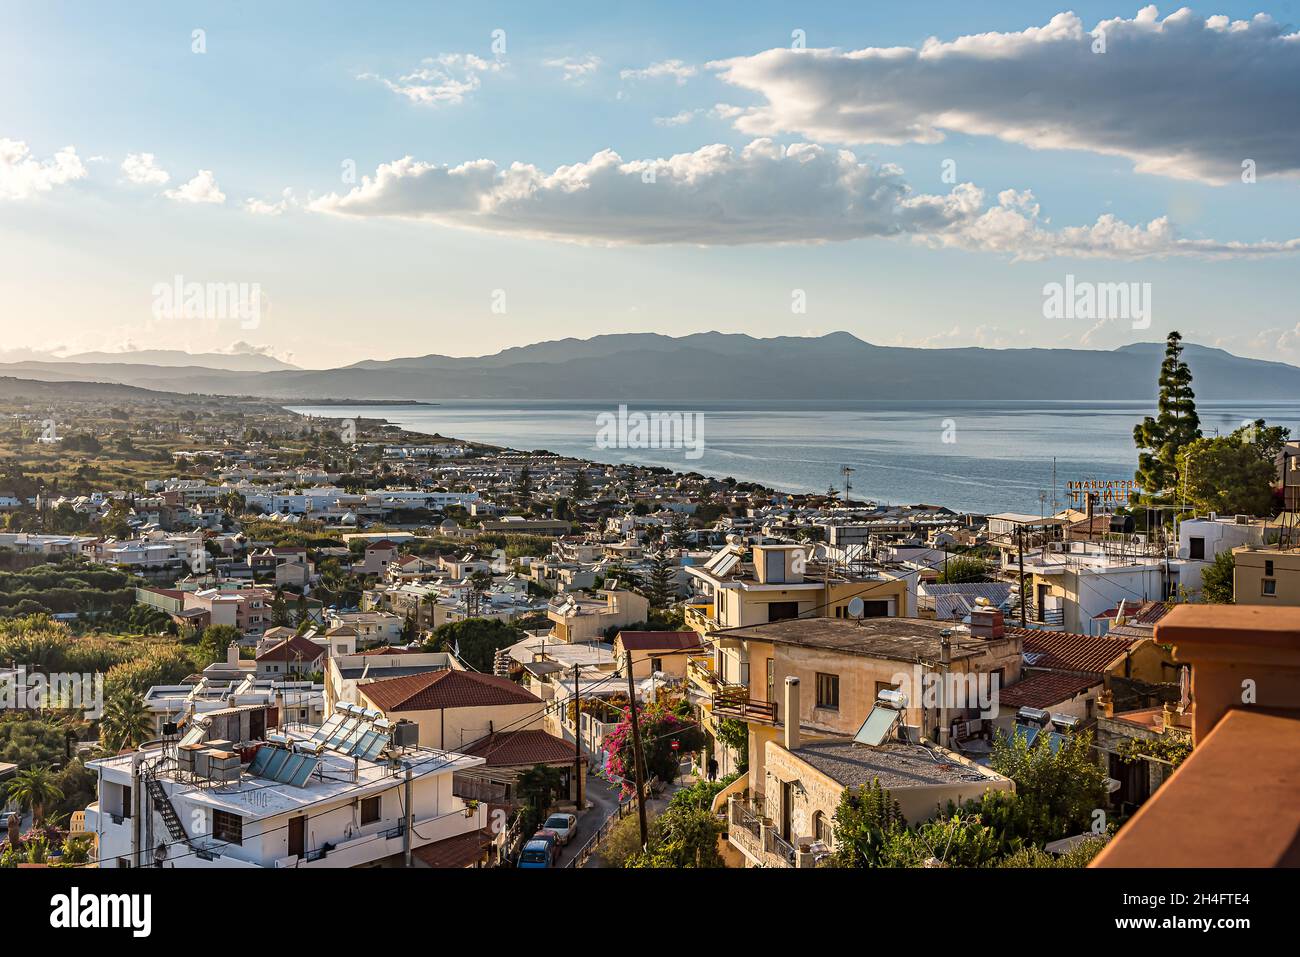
pixel 780 847
pixel 623 809
pixel 736 703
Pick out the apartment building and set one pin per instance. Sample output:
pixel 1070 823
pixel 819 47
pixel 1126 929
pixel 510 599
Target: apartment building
pixel 454 708
pixel 247 609
pixel 1266 576
pixel 576 617
pixel 344 673
pixel 1201 540
pixel 772 582
pixel 356 791
pixel 947 674
pixel 1069 584
pixel 787 821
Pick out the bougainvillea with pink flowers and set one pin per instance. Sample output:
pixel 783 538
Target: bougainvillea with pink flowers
pixel 663 722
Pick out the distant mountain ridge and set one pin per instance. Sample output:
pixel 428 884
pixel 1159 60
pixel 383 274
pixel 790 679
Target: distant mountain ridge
pixel 713 366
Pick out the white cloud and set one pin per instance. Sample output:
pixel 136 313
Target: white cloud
pixel 141 169
pixel 259 207
pixel 575 70
pixel 763 193
pixel 1186 96
pixel 679 119
pixel 22 175
pixel 674 69
pixel 202 188
pixel 442 80
pixel 720 111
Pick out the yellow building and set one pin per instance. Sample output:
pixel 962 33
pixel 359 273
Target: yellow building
pixel 1266 576
pixel 786 817
pixel 780 582
pixel 739 588
pixel 845 664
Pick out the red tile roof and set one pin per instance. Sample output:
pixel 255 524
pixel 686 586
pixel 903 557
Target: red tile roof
pixel 659 640
pixel 435 690
pixel 1063 651
pixel 296 648
pixel 1042 689
pixel 527 747
pixel 463 850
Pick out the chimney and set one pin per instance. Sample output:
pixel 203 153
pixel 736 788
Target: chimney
pixel 987 623
pixel 1106 701
pixel 791 713
pixel 232 654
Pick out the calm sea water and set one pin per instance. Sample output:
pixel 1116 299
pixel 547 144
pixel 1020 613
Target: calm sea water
pixel 999 456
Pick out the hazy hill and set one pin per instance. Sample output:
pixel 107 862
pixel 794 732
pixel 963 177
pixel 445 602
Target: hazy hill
pixel 716 366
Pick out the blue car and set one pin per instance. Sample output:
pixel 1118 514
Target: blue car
pixel 535 854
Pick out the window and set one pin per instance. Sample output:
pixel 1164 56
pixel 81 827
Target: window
pixel 782 610
pixel 370 810
pixel 884 686
pixel 1270 587
pixel 656 664
pixel 1197 549
pixel 1268 568
pixel 828 691
pixel 821 828
pixel 228 827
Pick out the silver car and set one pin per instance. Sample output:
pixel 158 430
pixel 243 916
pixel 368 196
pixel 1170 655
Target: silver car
pixel 562 826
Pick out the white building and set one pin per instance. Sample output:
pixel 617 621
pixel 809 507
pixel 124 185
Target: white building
pixel 307 800
pixel 1201 540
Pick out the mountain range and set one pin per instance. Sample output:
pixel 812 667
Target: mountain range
pixel 712 366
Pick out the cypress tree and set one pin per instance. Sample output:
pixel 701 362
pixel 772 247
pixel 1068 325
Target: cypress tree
pixel 1160 439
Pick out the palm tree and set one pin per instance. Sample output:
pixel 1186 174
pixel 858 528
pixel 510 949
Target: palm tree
pixel 126 722
pixel 35 789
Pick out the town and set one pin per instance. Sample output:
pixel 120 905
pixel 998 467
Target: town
pixel 234 636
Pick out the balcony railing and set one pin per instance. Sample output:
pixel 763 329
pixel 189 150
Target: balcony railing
pixel 735 702
pixel 700 615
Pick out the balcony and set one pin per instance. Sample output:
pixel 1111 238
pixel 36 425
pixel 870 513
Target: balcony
pixel 735 702
pixel 701 673
pixel 756 837
pixel 699 617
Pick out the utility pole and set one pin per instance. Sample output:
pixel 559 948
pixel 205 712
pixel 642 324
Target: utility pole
pixel 1020 548
pixel 637 755
pixel 577 742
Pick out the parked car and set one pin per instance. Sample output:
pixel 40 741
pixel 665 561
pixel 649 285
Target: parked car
pixel 536 853
pixel 550 839
pixel 563 826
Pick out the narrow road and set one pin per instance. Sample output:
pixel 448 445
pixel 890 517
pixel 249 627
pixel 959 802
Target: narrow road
pixel 602 801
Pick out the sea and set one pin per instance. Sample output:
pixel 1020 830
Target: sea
pixel 973 456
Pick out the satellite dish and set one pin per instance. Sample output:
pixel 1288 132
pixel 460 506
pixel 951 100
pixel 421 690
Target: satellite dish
pixel 856 607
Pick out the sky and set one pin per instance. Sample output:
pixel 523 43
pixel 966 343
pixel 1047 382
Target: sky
pixel 376 181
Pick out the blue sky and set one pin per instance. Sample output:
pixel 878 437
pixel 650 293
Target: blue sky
pixel 285 94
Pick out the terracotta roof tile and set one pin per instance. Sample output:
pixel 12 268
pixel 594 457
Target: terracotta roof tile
pixel 511 748
pixel 293 649
pixel 435 690
pixel 1064 651
pixel 463 850
pixel 658 640
pixel 1042 689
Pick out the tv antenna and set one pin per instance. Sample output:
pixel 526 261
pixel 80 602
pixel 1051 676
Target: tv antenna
pixel 846 471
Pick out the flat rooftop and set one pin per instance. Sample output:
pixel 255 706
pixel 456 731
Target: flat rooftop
pixel 254 797
pixel 894 639
pixel 897 766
